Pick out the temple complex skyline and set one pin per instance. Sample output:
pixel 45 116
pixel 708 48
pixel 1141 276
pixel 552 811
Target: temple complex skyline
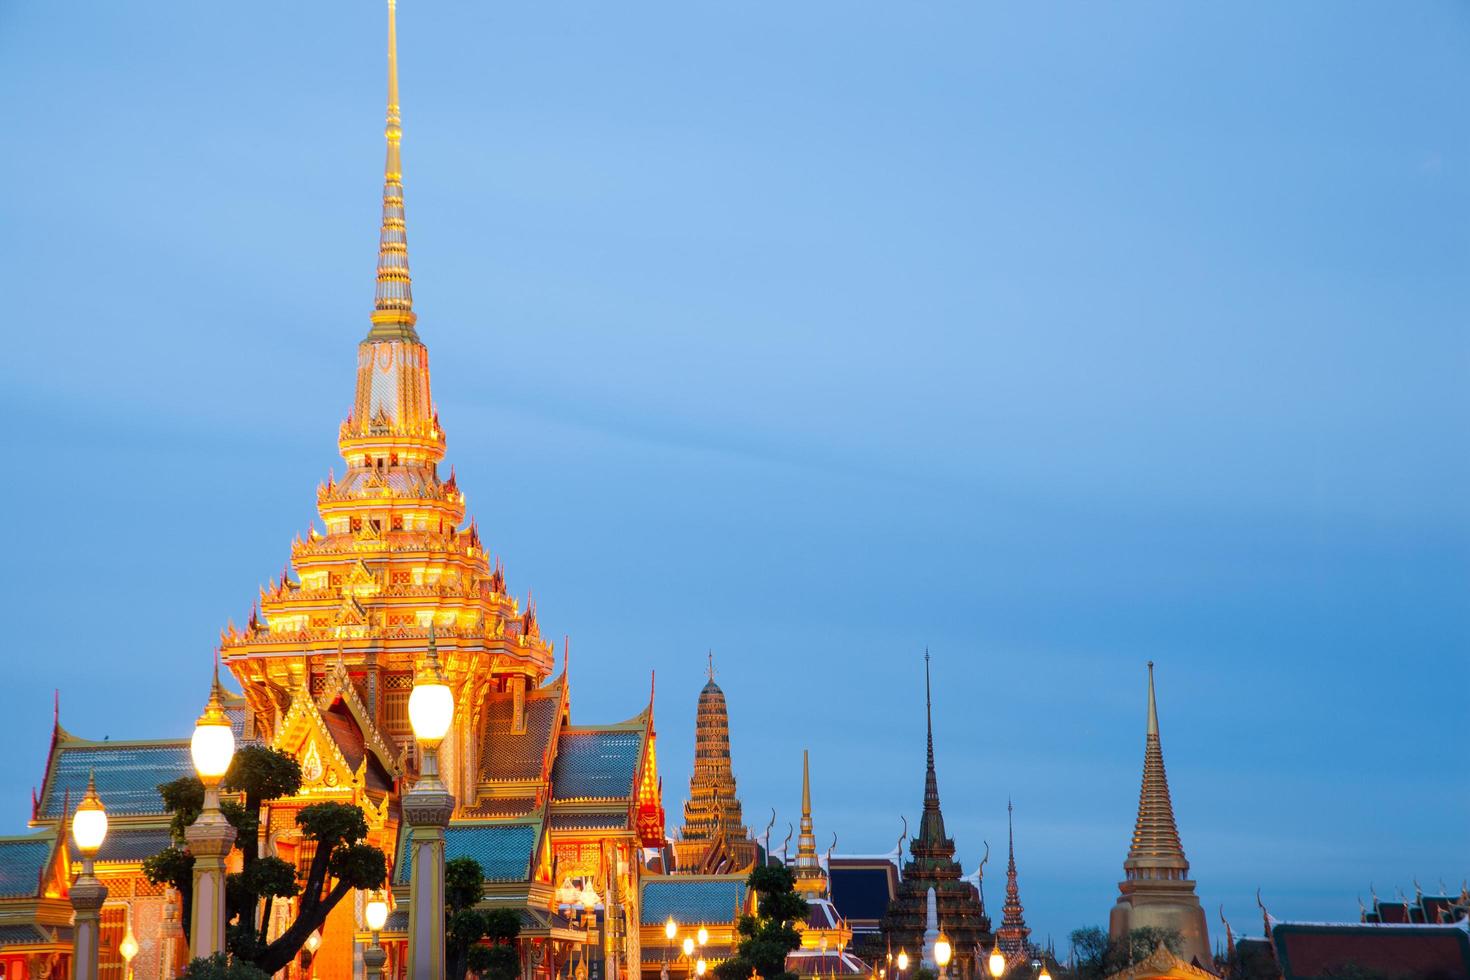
pixel 669 371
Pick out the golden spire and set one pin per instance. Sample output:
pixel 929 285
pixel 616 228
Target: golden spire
pixel 1155 843
pixel 393 316
pixel 809 876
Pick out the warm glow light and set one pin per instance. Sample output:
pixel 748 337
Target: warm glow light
pixel 314 941
pixel 688 945
pixel 376 912
pixel 942 951
pixel 702 936
pixel 903 959
pixel 128 948
pixel 589 896
pixel 700 967
pixel 431 703
pixel 1045 974
pixel 997 961
pixel 213 746
pixel 89 823
pixel 670 929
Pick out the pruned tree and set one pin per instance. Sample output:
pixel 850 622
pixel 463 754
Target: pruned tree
pixel 482 940
pixel 342 860
pixel 767 937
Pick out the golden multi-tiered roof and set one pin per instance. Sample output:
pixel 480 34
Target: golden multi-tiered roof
pixel 396 558
pixel 714 832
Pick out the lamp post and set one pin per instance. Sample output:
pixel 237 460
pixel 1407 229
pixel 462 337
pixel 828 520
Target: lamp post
pixel 997 961
pixel 376 914
pixel 1045 974
pixel 671 929
pixel 88 829
pixel 313 943
pixel 427 807
pixel 942 952
pixel 210 837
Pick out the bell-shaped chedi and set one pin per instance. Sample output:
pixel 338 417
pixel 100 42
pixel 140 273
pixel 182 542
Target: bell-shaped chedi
pixel 1157 890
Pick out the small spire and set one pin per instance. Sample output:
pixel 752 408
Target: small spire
pixel 711 655
pixel 1153 707
pixel 809 877
pixel 393 317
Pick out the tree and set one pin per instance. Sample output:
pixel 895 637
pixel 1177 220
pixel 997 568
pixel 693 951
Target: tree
pixel 466 926
pixel 220 967
pixel 769 935
pixel 1096 956
pixel 342 860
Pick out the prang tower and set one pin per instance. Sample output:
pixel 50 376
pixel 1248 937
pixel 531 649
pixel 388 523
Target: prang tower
pixel 1157 890
pixel 714 837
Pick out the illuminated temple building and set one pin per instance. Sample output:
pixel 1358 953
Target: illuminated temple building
pixel 932 865
pixel 1157 890
pixel 714 838
pixel 550 808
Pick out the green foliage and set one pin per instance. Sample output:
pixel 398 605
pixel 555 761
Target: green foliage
pixel 482 940
pixel 218 967
pixel 924 973
pixel 342 861
pixel 768 936
pixel 262 774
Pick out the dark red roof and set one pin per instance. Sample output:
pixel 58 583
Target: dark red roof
pixel 1425 952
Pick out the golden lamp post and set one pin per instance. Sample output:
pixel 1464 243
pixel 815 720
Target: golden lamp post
pixel 210 837
pixel 997 962
pixel 376 914
pixel 942 953
pixel 88 829
pixel 427 807
pixel 671 929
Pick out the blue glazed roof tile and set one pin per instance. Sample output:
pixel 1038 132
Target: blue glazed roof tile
pixel 124 845
pixel 127 776
pixel 596 765
pixel 589 821
pixel 22 862
pixel 706 900
pixel 504 850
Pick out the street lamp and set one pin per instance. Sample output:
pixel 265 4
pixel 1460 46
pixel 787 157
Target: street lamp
pixel 942 952
pixel 375 912
pixel 427 808
pixel 997 961
pixel 88 829
pixel 313 943
pixel 210 837
pixel 702 937
pixel 688 946
pixel 1045 974
pixel 700 966
pixel 903 960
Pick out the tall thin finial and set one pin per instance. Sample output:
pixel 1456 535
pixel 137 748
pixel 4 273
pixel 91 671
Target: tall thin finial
pixel 393 317
pixel 711 655
pixel 1011 828
pixel 1153 707
pixel 806 787
pixel 928 709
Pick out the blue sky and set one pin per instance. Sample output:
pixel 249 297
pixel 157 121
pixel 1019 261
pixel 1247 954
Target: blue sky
pixel 1056 338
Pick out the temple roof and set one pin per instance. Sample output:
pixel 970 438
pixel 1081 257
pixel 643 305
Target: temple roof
pixel 23 863
pixel 1310 949
pixel 600 820
pixel 691 898
pixel 825 963
pixel 504 850
pixel 508 756
pixel 597 764
pixel 127 773
pixel 861 888
pixel 126 844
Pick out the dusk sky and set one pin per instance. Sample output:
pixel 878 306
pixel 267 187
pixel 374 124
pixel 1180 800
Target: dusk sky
pixel 1054 338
